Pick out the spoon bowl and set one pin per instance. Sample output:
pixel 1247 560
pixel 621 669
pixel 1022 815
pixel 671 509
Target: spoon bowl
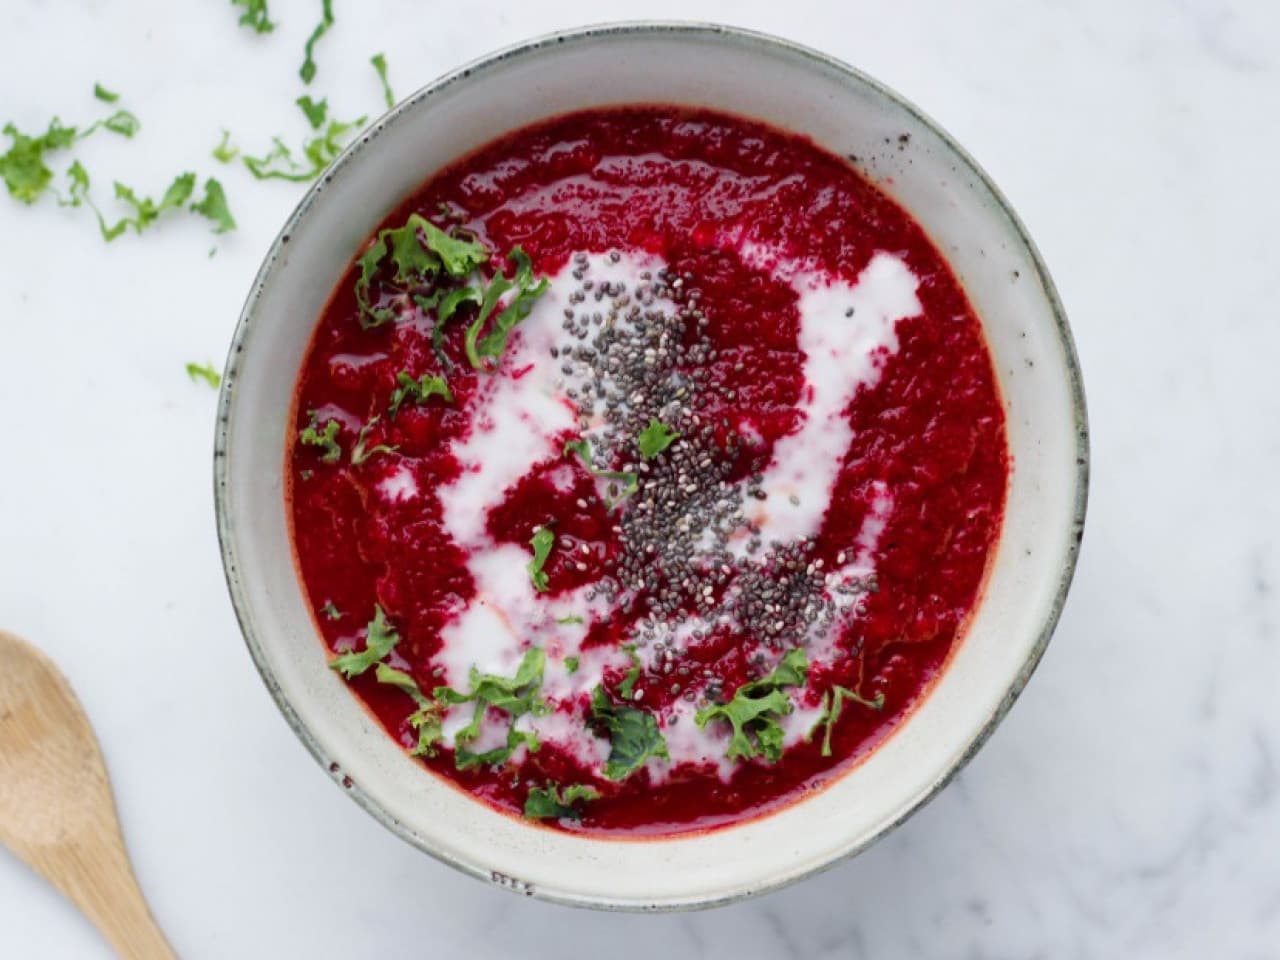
pixel 56 809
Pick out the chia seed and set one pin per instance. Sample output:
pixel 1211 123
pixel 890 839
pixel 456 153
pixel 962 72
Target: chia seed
pixel 685 541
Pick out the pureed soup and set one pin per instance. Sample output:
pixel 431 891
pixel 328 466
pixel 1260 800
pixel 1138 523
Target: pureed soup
pixel 646 469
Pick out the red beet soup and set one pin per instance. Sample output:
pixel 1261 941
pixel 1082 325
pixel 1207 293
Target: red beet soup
pixel 647 464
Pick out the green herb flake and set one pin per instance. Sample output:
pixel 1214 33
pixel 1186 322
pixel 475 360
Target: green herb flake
pixel 755 709
pixel 308 69
pixel 413 260
pixel 419 250
pixel 542 542
pixel 213 207
pixel 655 438
pixel 279 163
pixel 122 122
pixel 330 611
pixel 105 95
pixel 833 702
pixel 361 452
pixel 145 210
pixel 256 16
pixel 544 803
pixel 452 301
pixel 572 618
pixel 459 255
pixel 514 696
pixel 416 391
pixel 634 736
pixel 379 62
pixel 426 720
pixel 449 304
pixel 464 759
pixel 315 111
pixel 225 151
pixel 325 437
pixel 380 640
pixel 23 167
pixel 630 479
pixel 205 372
pixel 402 681
pixel 430 732
pixel 570 663
pixel 483 352
pixel 323 150
pixel 77 186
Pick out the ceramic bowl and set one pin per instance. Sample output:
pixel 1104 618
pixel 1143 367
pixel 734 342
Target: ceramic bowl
pixel 911 158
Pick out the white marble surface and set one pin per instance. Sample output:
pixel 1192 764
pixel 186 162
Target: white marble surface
pixel 1129 806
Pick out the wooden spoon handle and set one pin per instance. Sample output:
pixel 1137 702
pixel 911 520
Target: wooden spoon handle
pixel 95 875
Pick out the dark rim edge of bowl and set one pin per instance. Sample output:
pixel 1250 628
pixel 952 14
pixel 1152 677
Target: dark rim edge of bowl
pixel 529 47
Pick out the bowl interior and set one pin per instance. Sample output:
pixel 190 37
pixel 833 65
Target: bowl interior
pixel 791 88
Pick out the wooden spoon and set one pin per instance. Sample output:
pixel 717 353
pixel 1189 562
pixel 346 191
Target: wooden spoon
pixel 56 809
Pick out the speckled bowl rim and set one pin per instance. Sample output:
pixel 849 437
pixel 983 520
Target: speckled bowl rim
pixel 584 35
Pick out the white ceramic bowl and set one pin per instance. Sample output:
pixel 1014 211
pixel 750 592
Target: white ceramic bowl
pixel 928 173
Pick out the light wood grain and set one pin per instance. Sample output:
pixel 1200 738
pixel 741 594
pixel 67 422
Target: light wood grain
pixel 56 808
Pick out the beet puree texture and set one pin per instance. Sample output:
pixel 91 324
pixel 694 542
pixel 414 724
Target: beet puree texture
pixel 691 187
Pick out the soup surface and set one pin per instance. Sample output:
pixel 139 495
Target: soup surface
pixel 646 469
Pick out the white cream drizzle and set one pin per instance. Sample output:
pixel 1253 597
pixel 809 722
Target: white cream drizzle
pixel 398 485
pixel 843 353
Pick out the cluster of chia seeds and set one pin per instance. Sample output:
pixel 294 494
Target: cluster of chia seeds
pixel 688 549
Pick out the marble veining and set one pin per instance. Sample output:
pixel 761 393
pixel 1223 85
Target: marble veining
pixel 1128 807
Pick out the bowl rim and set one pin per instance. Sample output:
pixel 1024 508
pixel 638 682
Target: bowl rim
pixel 588 34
